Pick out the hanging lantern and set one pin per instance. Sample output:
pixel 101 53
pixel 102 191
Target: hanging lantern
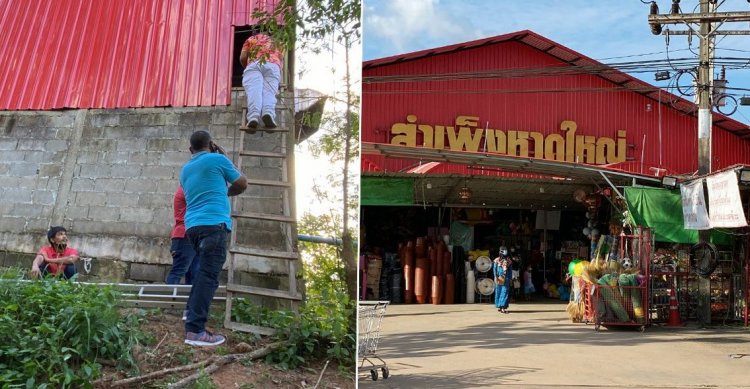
pixel 464 194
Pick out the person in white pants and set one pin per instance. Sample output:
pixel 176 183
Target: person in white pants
pixel 261 77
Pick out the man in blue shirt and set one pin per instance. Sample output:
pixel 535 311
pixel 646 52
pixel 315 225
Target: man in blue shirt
pixel 208 221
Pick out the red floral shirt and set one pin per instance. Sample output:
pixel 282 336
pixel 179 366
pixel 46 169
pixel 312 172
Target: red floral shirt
pixel 49 252
pixel 260 47
pixel 179 206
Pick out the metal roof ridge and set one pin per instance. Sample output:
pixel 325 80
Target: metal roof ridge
pixel 719 120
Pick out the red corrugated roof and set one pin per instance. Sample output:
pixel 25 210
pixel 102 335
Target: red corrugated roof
pixel 574 58
pixel 118 54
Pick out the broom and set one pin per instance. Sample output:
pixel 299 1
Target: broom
pixel 575 306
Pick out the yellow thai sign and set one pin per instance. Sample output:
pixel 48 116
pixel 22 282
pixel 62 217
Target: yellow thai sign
pixel 465 135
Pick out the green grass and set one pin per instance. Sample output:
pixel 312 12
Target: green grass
pixel 55 331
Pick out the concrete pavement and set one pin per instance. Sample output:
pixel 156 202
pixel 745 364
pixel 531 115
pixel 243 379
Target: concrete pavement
pixel 536 345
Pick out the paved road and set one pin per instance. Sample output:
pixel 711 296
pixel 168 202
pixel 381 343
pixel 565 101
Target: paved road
pixel 536 345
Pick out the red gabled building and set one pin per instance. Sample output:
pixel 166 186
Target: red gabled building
pixel 480 136
pixel 121 54
pixel 518 105
pixel 524 82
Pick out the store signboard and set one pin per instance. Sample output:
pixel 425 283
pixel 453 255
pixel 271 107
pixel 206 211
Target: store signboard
pixel 724 201
pixel 694 206
pixel 467 134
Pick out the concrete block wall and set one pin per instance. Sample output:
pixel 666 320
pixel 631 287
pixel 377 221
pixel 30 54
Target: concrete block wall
pixel 109 176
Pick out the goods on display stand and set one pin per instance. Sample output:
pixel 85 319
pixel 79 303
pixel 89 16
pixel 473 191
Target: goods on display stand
pixel 470 287
pixel 606 291
pixel 422 271
pixel 630 281
pixel 373 264
pixel 483 264
pixel 672 271
pixel 485 286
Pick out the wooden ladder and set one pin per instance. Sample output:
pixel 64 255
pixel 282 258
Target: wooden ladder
pixel 241 251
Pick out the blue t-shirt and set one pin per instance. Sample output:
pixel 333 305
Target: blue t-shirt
pixel 204 179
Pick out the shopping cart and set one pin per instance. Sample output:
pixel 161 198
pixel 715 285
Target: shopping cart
pixel 370 316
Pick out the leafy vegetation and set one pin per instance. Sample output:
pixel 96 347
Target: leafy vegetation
pixel 311 334
pixel 310 23
pixel 55 332
pixel 325 326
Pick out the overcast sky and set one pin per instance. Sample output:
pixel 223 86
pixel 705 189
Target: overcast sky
pixel 601 29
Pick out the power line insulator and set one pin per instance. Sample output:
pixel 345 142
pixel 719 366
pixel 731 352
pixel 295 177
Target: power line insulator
pixel 655 27
pixel 675 7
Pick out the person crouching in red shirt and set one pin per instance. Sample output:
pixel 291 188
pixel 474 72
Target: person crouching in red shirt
pixel 56 259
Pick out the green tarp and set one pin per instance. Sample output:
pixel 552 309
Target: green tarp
pixel 387 191
pixel 661 210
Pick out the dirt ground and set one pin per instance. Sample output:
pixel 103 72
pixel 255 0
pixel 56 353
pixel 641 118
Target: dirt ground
pixel 169 350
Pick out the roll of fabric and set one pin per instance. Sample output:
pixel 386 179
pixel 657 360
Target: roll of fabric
pixel 437 290
pixel 420 279
pixel 409 254
pixel 438 262
pixel 449 289
pixel 408 284
pixel 459 271
pixel 440 251
pixel 396 288
pixel 470 287
pixel 420 249
pixel 447 263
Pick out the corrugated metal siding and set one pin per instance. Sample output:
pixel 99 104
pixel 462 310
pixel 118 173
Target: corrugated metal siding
pixel 728 150
pixel 527 104
pixel 118 54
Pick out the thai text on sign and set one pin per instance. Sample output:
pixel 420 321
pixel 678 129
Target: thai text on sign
pixel 694 212
pixel 724 203
pixel 465 135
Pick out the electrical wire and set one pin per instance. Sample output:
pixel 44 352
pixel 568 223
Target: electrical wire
pixel 560 70
pixel 639 55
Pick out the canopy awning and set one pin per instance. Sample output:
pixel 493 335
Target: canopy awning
pixel 510 164
pixel 497 180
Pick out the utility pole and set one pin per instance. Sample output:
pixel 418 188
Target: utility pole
pixel 707 19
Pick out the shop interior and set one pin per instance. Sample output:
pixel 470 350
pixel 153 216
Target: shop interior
pixel 546 224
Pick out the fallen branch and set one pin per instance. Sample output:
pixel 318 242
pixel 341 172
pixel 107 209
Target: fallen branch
pixel 221 361
pixel 107 362
pixel 321 375
pixel 156 374
pixel 158 345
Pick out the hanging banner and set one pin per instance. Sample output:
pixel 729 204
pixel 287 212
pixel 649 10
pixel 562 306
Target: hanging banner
pixel 694 212
pixel 724 201
pixel 549 220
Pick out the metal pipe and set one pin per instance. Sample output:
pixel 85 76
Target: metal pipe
pixel 320 239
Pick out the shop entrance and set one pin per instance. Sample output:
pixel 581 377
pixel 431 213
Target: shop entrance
pixel 543 231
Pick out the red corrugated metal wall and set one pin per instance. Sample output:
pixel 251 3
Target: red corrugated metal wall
pixel 533 103
pixel 118 54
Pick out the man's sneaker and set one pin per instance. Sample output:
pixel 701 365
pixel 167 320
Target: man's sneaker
pixel 253 122
pixel 203 338
pixel 268 120
pixel 184 315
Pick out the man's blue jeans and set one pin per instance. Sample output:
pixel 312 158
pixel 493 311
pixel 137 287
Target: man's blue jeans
pixel 210 244
pixel 68 273
pixel 184 262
